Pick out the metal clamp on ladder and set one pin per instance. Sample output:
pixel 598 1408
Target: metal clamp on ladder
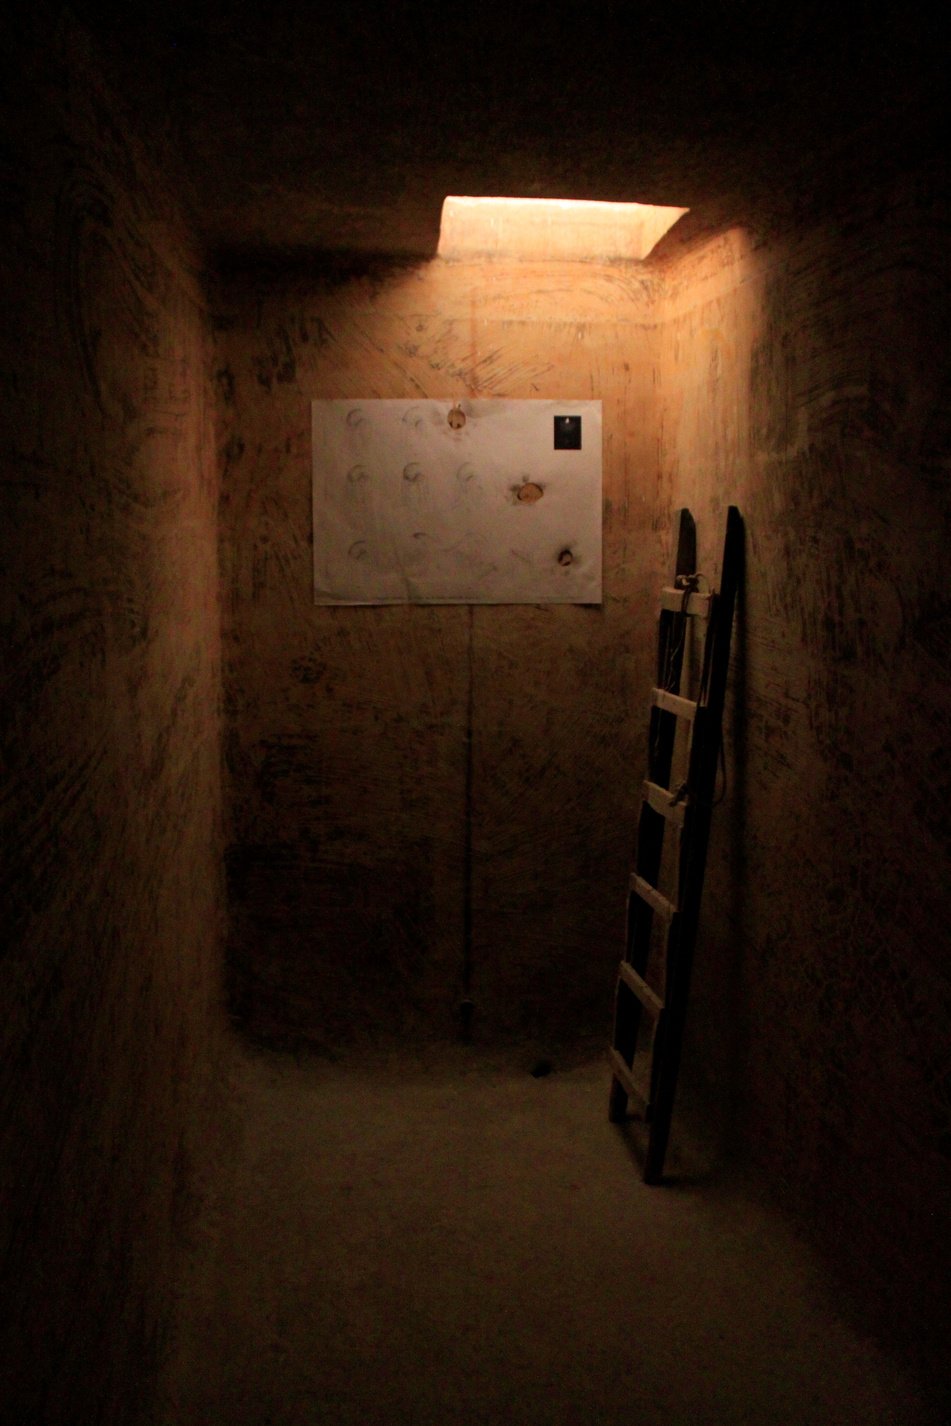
pixel 690 729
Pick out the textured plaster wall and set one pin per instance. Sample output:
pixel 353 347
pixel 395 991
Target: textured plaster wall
pixel 111 827
pixel 793 367
pixel 803 376
pixel 346 728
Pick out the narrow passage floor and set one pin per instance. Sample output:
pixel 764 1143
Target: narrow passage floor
pixel 456 1241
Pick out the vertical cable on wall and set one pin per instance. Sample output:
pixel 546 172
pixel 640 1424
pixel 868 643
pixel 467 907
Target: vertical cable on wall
pixel 466 1007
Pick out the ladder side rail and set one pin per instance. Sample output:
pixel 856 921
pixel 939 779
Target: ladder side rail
pixel 627 1019
pixel 662 729
pixel 704 757
pixel 671 641
pixel 640 919
pixel 648 855
pixel 680 955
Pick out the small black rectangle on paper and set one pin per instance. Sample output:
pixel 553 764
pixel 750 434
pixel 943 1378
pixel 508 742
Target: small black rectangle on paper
pixel 567 433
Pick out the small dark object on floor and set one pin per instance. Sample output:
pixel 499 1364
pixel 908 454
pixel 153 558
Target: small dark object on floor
pixel 540 1068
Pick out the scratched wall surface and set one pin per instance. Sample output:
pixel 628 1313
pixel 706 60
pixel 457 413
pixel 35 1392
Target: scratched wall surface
pixel 111 840
pixel 803 376
pixel 353 818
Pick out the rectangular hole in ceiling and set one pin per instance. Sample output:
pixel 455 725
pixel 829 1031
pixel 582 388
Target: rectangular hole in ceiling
pixel 552 228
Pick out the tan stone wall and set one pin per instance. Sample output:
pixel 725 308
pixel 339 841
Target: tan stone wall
pixel 347 727
pixel 803 378
pixel 796 368
pixel 791 371
pixel 111 833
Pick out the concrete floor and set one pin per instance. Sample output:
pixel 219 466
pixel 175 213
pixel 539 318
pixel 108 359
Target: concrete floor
pixel 455 1241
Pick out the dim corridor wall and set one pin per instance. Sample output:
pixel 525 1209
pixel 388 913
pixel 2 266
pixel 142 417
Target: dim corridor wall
pixel 111 830
pixel 363 856
pixel 803 378
pixel 790 365
pixel 789 360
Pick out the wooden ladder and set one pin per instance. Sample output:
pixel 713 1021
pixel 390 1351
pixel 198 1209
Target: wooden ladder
pixel 656 988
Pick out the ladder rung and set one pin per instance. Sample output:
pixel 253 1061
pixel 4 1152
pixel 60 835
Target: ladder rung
pixel 625 1079
pixel 673 703
pixel 662 801
pixel 653 897
pixel 649 998
pixel 673 599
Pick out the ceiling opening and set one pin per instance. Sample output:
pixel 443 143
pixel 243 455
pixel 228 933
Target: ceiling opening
pixel 558 228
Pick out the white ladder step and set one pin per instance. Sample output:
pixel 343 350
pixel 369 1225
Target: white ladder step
pixel 673 703
pixel 646 995
pixel 698 604
pixel 655 899
pixel 626 1080
pixel 662 801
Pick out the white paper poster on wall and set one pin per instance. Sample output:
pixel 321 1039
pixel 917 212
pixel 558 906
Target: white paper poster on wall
pixel 473 502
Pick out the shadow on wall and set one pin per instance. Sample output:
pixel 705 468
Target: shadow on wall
pixel 736 724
